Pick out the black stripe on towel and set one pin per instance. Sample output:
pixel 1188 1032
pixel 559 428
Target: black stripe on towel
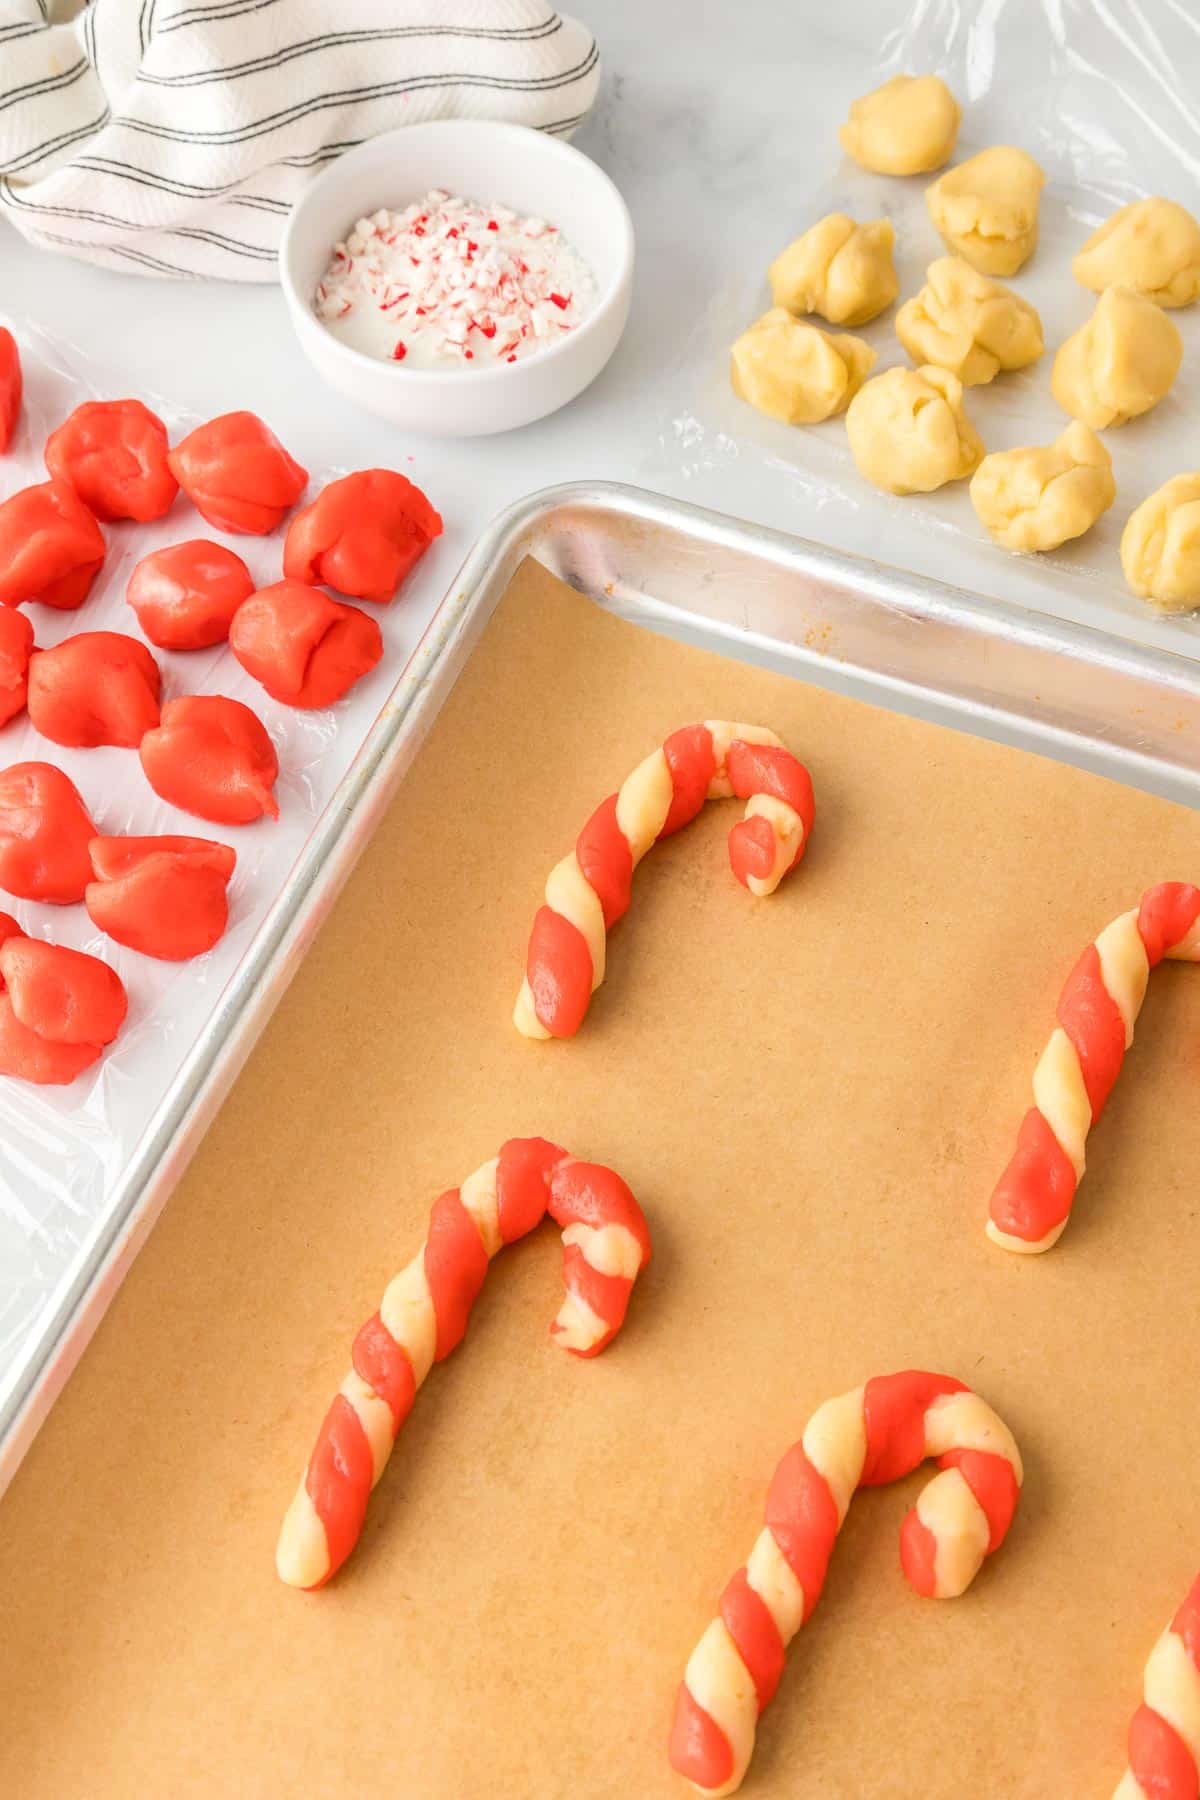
pixel 330 41
pixel 384 91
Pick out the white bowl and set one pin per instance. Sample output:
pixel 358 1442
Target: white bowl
pixel 508 164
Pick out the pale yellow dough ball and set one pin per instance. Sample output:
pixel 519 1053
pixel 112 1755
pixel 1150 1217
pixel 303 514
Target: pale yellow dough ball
pixel 1120 363
pixel 837 268
pixel 1152 246
pixel 1160 546
pixel 986 209
pixel 908 431
pixel 1040 496
pixel 908 126
pixel 965 322
pixel 796 372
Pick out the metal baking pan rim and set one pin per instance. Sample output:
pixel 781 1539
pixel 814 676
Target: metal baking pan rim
pixel 77 1304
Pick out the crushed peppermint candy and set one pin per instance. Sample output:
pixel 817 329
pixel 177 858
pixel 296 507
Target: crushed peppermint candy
pixel 448 283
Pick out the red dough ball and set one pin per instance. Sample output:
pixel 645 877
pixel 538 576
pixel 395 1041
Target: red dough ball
pixel 306 648
pixel 51 547
pixel 45 831
pixel 58 1009
pixel 16 646
pixel 361 535
pixel 211 756
pixel 10 387
pixel 114 454
pixel 186 595
pixel 164 896
pixel 98 687
pixel 237 473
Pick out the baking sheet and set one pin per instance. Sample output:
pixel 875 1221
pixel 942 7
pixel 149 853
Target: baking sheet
pixel 66 1154
pixel 1102 97
pixel 812 1097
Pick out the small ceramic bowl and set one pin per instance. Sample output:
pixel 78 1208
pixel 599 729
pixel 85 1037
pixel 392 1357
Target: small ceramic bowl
pixel 508 164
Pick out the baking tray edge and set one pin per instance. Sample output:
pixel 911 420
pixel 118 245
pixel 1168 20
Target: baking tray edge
pixel 560 523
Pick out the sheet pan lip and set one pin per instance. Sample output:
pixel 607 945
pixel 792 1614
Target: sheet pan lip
pixel 73 1310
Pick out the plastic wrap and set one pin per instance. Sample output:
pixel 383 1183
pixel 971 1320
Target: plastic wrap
pixel 1102 94
pixel 62 1150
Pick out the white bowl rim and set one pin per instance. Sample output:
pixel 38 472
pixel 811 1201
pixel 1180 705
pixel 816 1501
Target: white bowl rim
pixel 433 379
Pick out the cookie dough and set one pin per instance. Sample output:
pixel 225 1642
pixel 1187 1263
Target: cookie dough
pixel 1037 497
pixel 1096 1014
pixel 1160 545
pixel 1152 246
pixel 213 757
pixel 908 431
pixel 424 1315
pixel 1118 365
pixel 363 535
pixel 98 687
pixel 986 209
pixel 837 268
pixel 797 372
pixel 908 126
pixel 964 322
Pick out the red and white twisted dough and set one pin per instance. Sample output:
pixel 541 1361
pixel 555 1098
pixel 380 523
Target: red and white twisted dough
pixel 588 891
pixel 1164 1733
pixel 424 1314
pixel 873 1434
pixel 1097 1011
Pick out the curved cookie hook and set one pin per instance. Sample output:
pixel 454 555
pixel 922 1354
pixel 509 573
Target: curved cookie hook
pixel 423 1317
pixel 1164 1733
pixel 871 1435
pixel 588 891
pixel 1097 1010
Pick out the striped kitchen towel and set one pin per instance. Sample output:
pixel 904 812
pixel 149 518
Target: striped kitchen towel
pixel 171 138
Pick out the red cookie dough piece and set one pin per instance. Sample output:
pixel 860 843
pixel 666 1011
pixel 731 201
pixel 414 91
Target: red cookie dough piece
pixel 211 756
pixel 16 646
pixel 51 547
pixel 306 648
pixel 164 896
pixel 58 1008
pixel 361 535
pixel 10 387
pixel 98 687
pixel 45 831
pixel 237 473
pixel 114 454
pixel 186 595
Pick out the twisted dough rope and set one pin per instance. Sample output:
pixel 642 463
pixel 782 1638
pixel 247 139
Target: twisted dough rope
pixel 588 891
pixel 1164 1733
pixel 874 1434
pixel 424 1315
pixel 1096 1014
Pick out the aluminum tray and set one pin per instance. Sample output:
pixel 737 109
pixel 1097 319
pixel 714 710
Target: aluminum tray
pixel 900 641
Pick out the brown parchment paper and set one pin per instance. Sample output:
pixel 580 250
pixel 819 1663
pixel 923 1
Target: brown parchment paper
pixel 812 1096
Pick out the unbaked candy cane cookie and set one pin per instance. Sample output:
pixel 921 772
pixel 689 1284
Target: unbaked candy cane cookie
pixel 1164 1733
pixel 1097 1010
pixel 588 891
pixel 424 1314
pixel 874 1434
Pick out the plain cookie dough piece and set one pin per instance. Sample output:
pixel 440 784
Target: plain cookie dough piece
pixel 964 322
pixel 1120 364
pixel 908 431
pixel 986 209
pixel 797 372
pixel 1152 246
pixel 1037 497
pixel 837 268
pixel 909 126
pixel 1160 545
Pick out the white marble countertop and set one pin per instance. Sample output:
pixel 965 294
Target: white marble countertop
pixel 691 125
